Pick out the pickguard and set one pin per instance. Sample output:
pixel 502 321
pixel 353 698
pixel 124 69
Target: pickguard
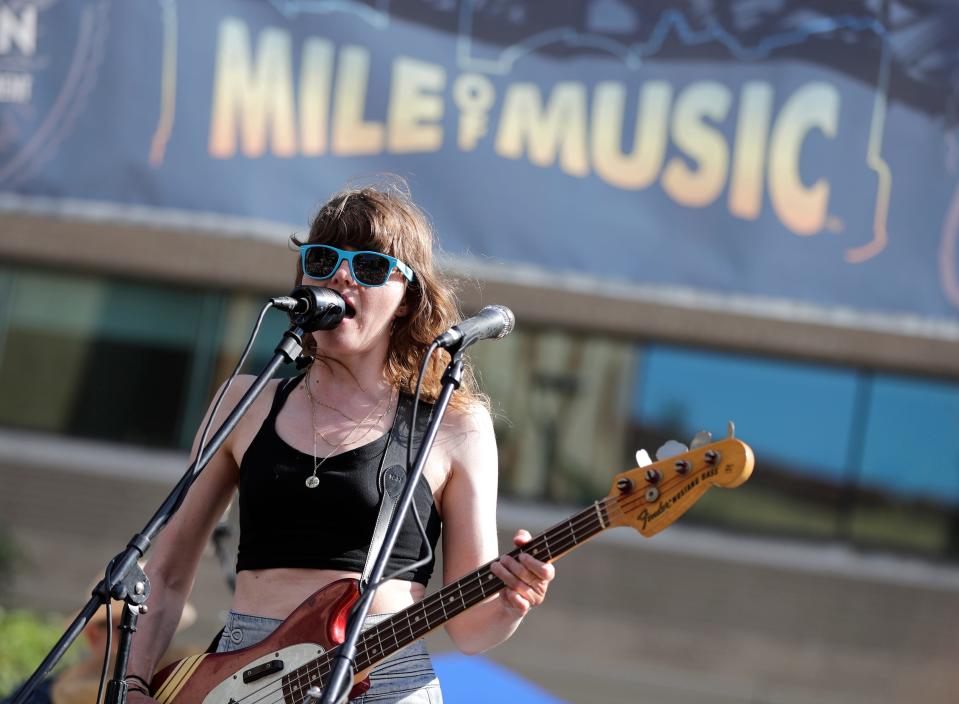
pixel 233 689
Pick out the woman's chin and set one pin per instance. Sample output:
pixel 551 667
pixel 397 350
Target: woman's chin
pixel 344 339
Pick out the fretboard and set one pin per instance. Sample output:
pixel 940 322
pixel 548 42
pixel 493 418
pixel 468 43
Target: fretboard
pixel 401 629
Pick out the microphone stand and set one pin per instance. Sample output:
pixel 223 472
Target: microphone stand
pixel 124 580
pixel 338 685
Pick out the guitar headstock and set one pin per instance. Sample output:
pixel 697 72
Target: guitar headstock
pixel 652 497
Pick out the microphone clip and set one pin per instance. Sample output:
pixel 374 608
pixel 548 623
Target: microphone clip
pixel 303 361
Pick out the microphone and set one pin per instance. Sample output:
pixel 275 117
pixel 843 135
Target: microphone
pixel 491 321
pixel 312 307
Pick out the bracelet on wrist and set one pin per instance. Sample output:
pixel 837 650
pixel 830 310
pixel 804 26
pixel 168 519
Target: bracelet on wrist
pixel 138 684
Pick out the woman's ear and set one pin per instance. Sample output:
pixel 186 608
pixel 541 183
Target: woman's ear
pixel 404 307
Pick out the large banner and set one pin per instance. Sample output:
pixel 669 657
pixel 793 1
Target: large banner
pixel 786 156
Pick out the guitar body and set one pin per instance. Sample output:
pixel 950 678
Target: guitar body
pixel 316 626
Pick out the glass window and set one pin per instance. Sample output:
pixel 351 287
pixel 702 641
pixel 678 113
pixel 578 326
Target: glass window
pixel 221 351
pixel 912 440
pixel 840 452
pixel 91 357
pixel 559 403
pixel 786 411
pixel 908 483
pixel 797 418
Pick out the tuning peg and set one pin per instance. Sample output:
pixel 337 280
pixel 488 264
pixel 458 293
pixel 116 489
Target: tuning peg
pixel 670 449
pixel 703 437
pixel 643 459
pixel 730 430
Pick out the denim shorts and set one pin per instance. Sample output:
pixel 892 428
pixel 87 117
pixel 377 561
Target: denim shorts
pixel 406 677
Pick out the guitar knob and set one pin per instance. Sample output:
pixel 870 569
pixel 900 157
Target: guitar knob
pixel 625 485
pixel 670 449
pixel 703 437
pixel 652 476
pixel 682 468
pixel 712 457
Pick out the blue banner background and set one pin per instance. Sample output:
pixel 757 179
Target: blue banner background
pixel 92 130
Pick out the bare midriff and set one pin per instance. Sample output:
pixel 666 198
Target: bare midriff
pixel 274 593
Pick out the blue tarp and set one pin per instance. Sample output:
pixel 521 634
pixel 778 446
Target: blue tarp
pixel 476 680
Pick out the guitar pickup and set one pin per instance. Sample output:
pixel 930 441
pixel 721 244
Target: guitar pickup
pixel 267 668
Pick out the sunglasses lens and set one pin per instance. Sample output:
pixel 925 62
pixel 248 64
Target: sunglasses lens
pixel 320 262
pixel 371 269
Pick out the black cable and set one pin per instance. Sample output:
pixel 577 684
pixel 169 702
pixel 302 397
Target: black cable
pixel 416 403
pixel 231 579
pixel 107 578
pixel 229 381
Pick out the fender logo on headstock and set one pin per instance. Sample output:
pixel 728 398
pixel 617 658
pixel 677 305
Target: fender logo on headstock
pixel 663 506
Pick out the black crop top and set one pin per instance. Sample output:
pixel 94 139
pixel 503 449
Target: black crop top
pixel 285 524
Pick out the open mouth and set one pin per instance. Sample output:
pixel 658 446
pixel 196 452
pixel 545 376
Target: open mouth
pixel 350 311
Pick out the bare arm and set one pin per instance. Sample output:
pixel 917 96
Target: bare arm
pixel 469 540
pixel 176 553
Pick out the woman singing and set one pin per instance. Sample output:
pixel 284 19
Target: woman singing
pixel 305 459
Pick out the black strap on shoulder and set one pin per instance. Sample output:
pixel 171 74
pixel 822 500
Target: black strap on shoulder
pixel 391 477
pixel 283 391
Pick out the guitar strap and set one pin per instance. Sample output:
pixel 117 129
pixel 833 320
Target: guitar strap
pixel 391 479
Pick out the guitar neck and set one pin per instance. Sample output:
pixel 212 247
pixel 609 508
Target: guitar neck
pixel 401 629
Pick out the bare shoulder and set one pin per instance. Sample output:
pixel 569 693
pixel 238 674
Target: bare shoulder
pixel 474 420
pixel 468 436
pixel 471 483
pixel 240 385
pixel 231 397
pixel 229 394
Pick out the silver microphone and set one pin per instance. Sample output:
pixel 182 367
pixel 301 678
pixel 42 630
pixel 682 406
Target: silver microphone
pixel 491 322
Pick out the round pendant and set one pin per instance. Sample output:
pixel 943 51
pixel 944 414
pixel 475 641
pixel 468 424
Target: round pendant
pixel 312 482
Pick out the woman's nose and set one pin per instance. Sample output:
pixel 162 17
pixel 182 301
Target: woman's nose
pixel 342 274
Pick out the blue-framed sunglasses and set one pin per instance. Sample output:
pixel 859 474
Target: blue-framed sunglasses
pixel 320 261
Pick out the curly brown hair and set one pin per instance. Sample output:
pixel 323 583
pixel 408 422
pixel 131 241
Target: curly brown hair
pixel 384 218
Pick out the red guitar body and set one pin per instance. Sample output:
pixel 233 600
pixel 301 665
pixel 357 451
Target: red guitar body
pixel 316 626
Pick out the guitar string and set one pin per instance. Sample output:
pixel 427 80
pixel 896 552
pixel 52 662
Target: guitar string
pixel 402 627
pixel 479 585
pixel 321 665
pixel 405 628
pixel 473 587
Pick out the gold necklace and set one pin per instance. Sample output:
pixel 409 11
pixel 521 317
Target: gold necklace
pixel 314 401
pixel 339 412
pixel 313 481
pixel 335 409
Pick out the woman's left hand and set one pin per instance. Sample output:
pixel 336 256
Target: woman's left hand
pixel 526 579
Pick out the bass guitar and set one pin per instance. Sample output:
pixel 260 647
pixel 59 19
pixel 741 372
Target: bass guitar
pixel 300 653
